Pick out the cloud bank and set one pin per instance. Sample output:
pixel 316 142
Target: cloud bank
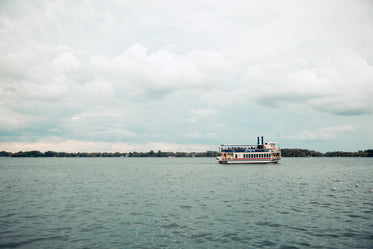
pixel 166 72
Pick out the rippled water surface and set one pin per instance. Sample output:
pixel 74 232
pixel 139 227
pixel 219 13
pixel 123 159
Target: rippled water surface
pixel 185 203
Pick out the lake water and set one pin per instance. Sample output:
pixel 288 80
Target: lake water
pixel 185 203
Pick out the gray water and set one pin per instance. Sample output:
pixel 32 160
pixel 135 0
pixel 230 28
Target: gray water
pixel 185 203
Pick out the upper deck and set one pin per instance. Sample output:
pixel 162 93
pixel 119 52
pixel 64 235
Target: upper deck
pixel 247 147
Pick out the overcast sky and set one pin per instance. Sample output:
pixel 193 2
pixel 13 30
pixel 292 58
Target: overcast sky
pixel 185 75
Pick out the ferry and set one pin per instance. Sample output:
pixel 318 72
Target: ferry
pixel 249 154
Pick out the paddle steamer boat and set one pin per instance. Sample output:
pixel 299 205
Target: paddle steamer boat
pixel 249 154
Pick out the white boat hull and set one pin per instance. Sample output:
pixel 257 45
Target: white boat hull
pixel 246 161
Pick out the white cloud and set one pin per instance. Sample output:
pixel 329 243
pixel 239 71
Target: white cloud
pixel 323 134
pixel 10 120
pixel 340 85
pixel 162 70
pixel 344 105
pixel 66 62
pixel 200 114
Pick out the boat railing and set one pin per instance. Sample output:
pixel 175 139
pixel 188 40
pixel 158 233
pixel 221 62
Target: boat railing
pixel 244 150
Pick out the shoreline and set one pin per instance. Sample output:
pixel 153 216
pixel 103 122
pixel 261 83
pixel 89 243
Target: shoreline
pixel 285 153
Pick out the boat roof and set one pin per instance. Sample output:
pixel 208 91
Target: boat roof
pixel 234 145
pixel 245 144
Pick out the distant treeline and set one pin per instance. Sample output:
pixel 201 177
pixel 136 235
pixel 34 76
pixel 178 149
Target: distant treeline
pixel 36 153
pixel 284 153
pixel 312 153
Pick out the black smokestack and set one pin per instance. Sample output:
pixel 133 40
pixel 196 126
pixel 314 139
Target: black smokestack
pixel 262 141
pixel 258 140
